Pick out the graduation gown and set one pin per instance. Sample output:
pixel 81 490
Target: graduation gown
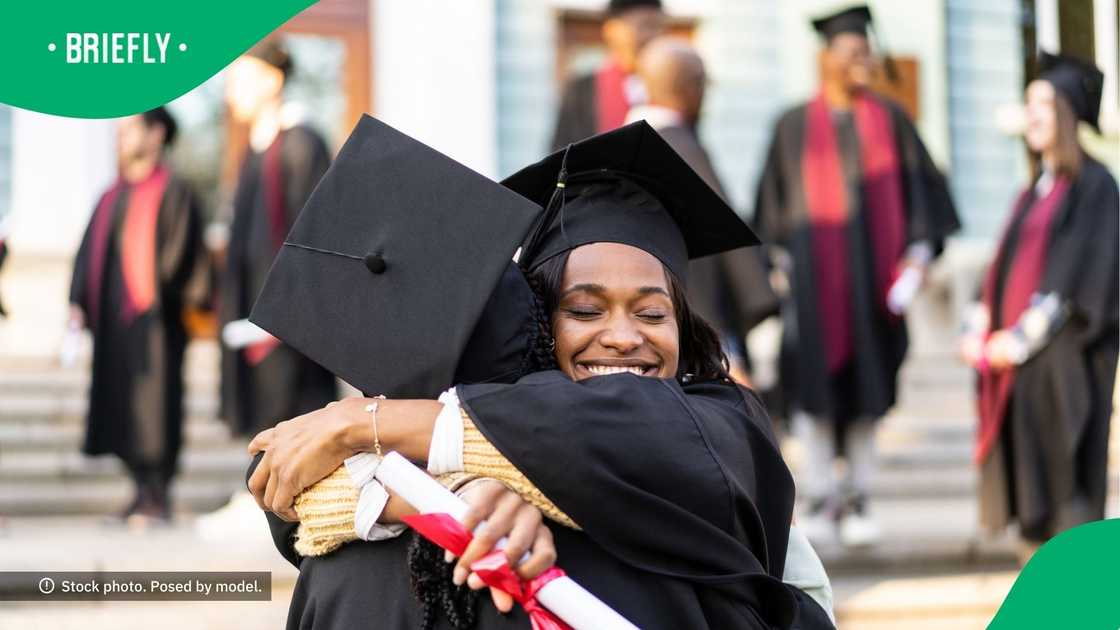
pixel 136 391
pixel 272 188
pixel 866 386
pixel 731 290
pixel 591 104
pixel 1047 469
pixel 681 493
pixel 577 118
pixel 3 256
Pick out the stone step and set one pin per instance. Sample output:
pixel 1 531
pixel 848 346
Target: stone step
pixel 943 601
pixel 219 463
pixel 924 533
pixel 20 438
pixel 107 496
pixel 43 407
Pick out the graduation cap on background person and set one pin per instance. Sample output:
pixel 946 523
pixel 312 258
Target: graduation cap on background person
pixel 618 7
pixel 401 260
pixel 1080 82
pixel 855 19
pixel 273 52
pixel 626 186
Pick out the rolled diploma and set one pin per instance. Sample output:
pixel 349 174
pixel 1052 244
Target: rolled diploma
pixel 903 290
pixel 563 596
pixel 241 333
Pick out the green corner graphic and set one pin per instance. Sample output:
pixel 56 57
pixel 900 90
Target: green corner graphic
pixel 105 59
pixel 1072 582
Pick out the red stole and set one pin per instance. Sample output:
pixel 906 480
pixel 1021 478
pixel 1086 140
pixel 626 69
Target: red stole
pixel 611 103
pixel 826 196
pixel 272 176
pixel 1024 274
pixel 137 244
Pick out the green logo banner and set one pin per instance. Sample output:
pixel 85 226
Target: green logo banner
pixel 1073 581
pixel 89 59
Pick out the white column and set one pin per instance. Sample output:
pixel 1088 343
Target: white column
pixel 1046 25
pixel 434 74
pixel 1104 26
pixel 59 166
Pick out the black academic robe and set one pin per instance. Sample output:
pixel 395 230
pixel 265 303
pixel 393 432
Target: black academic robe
pixel 868 387
pixel 731 290
pixel 681 493
pixel 578 117
pixel 3 257
pixel 136 388
pixel 285 383
pixel 1048 469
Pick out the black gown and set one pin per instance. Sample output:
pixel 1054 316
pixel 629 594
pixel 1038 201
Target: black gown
pixel 285 384
pixel 681 492
pixel 1048 469
pixel 578 117
pixel 782 218
pixel 3 257
pixel 136 390
pixel 730 290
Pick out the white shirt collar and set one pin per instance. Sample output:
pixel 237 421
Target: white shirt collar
pixel 658 116
pixel 265 128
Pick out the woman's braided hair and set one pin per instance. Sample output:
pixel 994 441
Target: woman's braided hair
pixel 434 590
pixel 430 575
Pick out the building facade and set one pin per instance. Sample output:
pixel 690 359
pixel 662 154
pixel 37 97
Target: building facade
pixel 479 80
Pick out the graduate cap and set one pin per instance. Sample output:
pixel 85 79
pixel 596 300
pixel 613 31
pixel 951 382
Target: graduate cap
pixel 618 7
pixel 851 20
pixel 390 270
pixel 1080 82
pixel 626 186
pixel 273 52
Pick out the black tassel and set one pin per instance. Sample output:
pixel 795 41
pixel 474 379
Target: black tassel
pixel 553 209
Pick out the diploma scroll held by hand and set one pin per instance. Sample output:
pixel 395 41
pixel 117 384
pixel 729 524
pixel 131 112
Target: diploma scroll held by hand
pixel 904 290
pixel 560 595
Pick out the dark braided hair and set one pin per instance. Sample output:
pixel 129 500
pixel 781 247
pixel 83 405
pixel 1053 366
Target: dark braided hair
pixel 430 575
pixel 434 590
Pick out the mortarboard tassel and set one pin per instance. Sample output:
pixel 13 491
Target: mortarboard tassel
pixel 554 208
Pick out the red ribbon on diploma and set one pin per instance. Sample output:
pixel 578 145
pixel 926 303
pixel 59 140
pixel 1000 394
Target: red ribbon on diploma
pixel 449 534
pixel 257 352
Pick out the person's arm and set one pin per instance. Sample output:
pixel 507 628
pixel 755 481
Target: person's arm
pixel 303 450
pixel 1032 332
pixel 79 276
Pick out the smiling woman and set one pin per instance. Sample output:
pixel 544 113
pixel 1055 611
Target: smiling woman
pixel 670 339
pixel 637 465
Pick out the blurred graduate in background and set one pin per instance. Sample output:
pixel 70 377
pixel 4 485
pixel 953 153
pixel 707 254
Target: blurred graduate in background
pixel 730 290
pixel 140 264
pixel 599 101
pixel 858 210
pixel 1044 338
pixel 264 381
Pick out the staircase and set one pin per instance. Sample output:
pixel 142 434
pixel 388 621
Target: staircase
pixel 42 425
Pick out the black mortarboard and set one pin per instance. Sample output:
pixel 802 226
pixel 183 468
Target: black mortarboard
pixel 616 7
pixel 626 186
pixel 391 268
pixel 1080 82
pixel 851 20
pixel 273 52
